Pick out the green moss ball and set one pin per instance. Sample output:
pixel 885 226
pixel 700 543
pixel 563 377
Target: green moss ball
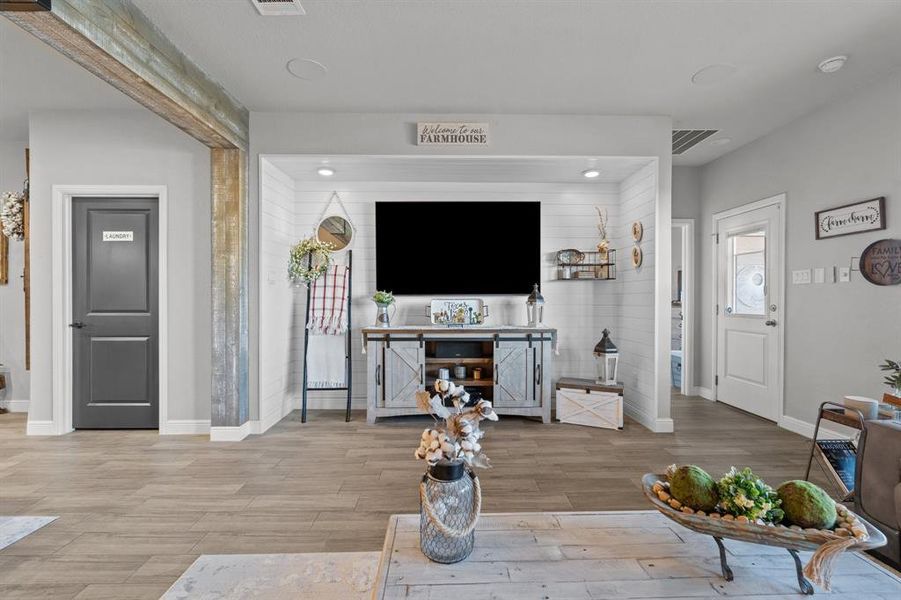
pixel 693 487
pixel 807 505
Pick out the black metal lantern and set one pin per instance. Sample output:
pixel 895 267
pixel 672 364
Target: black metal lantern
pixel 607 357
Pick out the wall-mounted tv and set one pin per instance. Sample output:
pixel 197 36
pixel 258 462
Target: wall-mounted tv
pixel 457 248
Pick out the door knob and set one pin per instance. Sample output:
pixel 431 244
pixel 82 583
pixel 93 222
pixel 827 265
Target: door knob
pixel 77 325
pixel 770 323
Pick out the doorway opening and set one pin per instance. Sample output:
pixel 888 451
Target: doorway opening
pixel 749 300
pixel 683 306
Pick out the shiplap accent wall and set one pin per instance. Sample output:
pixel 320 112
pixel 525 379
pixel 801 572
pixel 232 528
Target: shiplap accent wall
pixel 578 309
pixel 279 334
pixel 635 334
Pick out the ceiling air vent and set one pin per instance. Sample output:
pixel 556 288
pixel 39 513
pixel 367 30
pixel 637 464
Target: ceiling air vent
pixel 685 139
pixel 278 8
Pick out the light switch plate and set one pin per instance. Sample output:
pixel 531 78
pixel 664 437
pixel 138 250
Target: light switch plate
pixel 819 275
pixel 844 274
pixel 801 276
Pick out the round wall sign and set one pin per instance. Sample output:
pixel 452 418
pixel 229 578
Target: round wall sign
pixel 880 262
pixel 636 256
pixel 637 231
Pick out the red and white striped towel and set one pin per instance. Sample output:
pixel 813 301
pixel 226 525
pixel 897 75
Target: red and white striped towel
pixel 328 302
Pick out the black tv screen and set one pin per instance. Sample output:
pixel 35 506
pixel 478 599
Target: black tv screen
pixel 455 248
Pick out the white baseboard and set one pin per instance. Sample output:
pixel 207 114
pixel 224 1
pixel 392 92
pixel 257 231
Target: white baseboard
pixel 232 434
pixel 16 406
pixel 806 429
pixel 663 426
pixel 185 427
pixel 703 392
pixel 637 413
pixel 41 428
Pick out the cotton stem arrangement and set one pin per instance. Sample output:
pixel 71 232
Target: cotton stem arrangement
pixel 459 435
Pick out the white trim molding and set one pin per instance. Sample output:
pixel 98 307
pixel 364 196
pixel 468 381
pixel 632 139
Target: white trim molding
pixel 185 427
pixel 233 434
pixel 703 392
pixel 41 428
pixel 15 406
pixel 62 296
pixel 806 429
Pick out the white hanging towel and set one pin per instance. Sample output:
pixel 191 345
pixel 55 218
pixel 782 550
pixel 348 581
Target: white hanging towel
pixel 327 328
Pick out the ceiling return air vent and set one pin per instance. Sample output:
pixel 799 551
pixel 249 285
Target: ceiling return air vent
pixel 685 139
pixel 278 8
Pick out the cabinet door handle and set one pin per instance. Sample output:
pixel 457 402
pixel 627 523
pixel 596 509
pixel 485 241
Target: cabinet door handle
pixel 538 373
pixel 422 374
pixel 497 371
pixel 378 374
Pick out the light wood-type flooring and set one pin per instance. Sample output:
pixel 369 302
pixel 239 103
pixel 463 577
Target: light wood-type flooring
pixel 136 508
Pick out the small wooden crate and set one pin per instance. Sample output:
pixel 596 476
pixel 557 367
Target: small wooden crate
pixel 584 402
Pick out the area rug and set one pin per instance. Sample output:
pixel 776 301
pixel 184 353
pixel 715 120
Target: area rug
pixel 321 575
pixel 13 529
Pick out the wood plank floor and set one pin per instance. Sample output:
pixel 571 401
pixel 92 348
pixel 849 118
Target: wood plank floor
pixel 136 509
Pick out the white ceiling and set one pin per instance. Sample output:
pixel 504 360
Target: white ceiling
pixel 545 56
pixel 34 76
pixel 489 169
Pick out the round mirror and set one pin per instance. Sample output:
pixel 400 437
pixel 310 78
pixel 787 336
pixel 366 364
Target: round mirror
pixel 335 230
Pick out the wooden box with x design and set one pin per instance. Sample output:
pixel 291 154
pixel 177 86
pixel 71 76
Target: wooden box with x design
pixel 585 402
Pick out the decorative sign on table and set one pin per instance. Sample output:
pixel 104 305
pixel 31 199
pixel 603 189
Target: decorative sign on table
pixel 452 134
pixel 880 262
pixel 868 215
pixel 839 458
pixel 458 312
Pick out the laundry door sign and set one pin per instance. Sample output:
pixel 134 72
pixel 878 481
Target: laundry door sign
pixel 118 236
pixel 452 134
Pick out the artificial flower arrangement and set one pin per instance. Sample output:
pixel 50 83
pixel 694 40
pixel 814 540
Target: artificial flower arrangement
pixel 458 439
pixel 383 298
pixel 308 260
pixel 12 215
pixel 744 494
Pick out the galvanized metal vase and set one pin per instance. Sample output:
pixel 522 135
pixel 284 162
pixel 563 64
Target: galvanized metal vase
pixel 450 501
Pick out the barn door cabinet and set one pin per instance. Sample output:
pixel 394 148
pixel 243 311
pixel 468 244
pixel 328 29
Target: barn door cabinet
pixel 514 366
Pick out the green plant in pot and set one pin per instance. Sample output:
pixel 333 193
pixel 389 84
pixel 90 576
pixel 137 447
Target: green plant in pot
pixel 383 300
pixel 892 379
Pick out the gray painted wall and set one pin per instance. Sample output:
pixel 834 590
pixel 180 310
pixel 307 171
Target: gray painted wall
pixel 128 148
pixel 836 334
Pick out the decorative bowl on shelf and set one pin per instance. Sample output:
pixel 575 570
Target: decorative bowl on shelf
pixel 570 256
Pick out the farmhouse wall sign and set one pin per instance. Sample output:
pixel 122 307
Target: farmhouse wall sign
pixel 880 262
pixel 868 215
pixel 452 134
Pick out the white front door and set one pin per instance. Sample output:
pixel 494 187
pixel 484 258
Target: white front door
pixel 749 315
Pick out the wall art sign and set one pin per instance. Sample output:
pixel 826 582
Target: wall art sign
pixel 118 236
pixel 452 134
pixel 868 215
pixel 880 262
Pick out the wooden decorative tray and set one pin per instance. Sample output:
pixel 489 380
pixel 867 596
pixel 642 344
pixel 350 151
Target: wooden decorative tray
pixel 792 539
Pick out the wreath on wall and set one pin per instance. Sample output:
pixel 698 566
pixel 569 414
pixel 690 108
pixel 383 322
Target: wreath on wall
pixel 308 260
pixel 12 215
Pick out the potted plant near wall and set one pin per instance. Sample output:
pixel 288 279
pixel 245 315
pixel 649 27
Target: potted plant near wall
pixel 383 300
pixel 892 380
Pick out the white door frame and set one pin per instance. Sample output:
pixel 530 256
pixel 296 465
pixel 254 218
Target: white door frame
pixel 686 229
pixel 779 201
pixel 62 293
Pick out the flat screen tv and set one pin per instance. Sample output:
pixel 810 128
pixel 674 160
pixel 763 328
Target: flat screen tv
pixel 457 248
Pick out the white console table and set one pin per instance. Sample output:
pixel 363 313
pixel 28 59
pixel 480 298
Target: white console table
pixel 516 365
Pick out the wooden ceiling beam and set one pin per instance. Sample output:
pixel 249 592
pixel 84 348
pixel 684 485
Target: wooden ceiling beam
pixel 116 42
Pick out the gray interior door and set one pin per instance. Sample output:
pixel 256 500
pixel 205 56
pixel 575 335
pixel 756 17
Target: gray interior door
pixel 115 313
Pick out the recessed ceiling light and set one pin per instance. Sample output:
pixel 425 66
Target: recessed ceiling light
pixel 306 68
pixel 325 171
pixel 721 141
pixel 591 173
pixel 712 74
pixel 831 65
